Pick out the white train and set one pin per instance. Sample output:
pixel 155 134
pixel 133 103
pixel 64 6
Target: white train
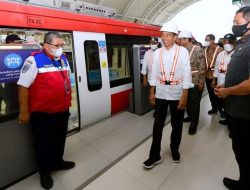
pixel 100 52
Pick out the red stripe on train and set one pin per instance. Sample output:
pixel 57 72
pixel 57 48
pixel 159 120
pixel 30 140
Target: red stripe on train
pixel 120 101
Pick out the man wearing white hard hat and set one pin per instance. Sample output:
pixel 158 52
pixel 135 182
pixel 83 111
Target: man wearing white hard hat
pixel 171 78
pixel 198 66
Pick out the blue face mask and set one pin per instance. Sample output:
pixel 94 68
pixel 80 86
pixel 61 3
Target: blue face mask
pixel 240 30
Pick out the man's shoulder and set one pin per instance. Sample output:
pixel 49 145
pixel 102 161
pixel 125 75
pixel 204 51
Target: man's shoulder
pixel 36 53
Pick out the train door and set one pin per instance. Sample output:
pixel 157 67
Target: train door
pixel 93 76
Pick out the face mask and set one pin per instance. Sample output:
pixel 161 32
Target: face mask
pixel 240 30
pixel 228 47
pixel 57 52
pixel 153 47
pixel 206 43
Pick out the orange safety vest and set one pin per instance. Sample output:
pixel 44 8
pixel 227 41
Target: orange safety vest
pixel 223 68
pixel 164 80
pixel 195 71
pixel 210 67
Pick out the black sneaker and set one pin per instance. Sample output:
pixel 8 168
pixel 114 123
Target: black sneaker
pixel 212 111
pixel 176 156
pixel 150 163
pixel 231 184
pixel 192 130
pixel 222 114
pixel 46 181
pixel 223 122
pixel 186 119
pixel 65 165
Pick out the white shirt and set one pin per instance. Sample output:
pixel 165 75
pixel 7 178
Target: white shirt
pixel 28 72
pixel 182 71
pixel 147 63
pixel 219 64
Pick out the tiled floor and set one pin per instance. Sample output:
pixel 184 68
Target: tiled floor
pixel 206 157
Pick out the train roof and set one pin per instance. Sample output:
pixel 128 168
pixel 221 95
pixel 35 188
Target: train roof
pixel 27 16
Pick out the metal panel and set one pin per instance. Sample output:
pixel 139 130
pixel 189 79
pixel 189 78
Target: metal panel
pixel 17 158
pixel 140 104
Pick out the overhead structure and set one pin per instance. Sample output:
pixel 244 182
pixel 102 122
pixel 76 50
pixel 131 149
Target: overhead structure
pixel 154 12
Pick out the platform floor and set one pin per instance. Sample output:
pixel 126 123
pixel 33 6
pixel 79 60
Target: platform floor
pixel 109 155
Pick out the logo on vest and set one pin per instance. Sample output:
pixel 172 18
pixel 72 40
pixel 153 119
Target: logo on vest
pixel 13 61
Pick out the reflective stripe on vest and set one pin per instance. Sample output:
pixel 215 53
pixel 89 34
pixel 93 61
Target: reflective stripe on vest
pixel 164 80
pixel 192 51
pixel 212 62
pixel 223 68
pixel 196 71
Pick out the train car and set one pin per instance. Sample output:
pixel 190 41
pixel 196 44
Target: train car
pixel 101 58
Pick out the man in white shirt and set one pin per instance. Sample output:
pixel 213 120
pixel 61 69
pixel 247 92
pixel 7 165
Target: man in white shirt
pixel 221 64
pixel 171 77
pixel 148 61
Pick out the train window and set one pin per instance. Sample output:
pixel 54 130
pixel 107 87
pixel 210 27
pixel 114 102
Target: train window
pixel 93 68
pixel 118 58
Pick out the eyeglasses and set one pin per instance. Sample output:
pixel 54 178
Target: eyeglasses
pixel 56 46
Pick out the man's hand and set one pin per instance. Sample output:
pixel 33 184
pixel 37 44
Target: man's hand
pixel 201 87
pixel 220 91
pixel 145 82
pixel 213 83
pixel 152 95
pixel 152 99
pixel 24 117
pixel 183 101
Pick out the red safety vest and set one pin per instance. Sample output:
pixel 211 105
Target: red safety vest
pixel 51 90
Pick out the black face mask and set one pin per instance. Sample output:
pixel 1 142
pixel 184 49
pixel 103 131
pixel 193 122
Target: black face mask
pixel 240 30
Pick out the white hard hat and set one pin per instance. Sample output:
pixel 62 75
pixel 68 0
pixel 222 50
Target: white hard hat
pixel 169 27
pixel 185 34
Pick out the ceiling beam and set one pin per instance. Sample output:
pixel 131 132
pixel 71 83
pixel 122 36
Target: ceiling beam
pixel 127 8
pixel 162 12
pixel 99 2
pixel 151 9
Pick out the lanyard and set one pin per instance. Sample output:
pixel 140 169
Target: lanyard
pixel 60 67
pixel 211 64
pixel 164 78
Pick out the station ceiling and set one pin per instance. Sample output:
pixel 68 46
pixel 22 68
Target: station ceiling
pixel 154 12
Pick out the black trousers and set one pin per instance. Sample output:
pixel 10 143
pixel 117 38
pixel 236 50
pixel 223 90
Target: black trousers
pixel 193 106
pixel 221 104
pixel 161 108
pixel 239 131
pixel 49 130
pixel 213 98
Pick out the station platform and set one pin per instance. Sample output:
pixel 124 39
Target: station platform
pixel 109 155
